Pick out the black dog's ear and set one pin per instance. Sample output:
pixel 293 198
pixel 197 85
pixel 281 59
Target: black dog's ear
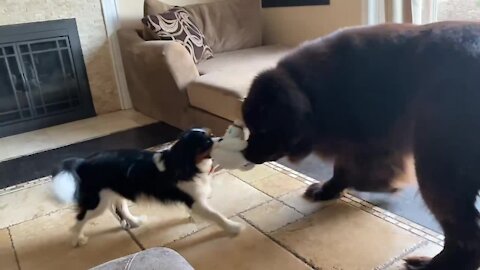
pixel 300 149
pixel 275 92
pixel 296 112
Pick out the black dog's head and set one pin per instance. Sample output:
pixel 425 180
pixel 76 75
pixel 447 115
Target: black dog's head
pixel 192 147
pixel 278 116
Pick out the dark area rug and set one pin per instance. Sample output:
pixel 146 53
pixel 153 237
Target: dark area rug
pixel 26 168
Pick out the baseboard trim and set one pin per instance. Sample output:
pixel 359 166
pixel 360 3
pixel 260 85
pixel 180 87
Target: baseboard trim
pixel 112 25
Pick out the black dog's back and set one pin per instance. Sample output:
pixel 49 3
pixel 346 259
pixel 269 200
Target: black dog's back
pixel 376 96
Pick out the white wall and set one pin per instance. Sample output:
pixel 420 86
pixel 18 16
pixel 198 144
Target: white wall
pixel 293 25
pixel 289 25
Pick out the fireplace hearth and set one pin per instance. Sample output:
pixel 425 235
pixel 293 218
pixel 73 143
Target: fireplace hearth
pixel 43 80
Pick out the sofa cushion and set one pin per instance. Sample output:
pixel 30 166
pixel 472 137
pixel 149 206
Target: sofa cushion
pixel 227 24
pixel 220 93
pixel 226 79
pixel 230 25
pixel 253 59
pixel 176 24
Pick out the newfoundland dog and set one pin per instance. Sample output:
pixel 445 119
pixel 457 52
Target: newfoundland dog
pixel 373 99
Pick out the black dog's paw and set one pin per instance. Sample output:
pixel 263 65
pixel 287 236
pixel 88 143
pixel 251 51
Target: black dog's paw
pixel 317 192
pixel 417 263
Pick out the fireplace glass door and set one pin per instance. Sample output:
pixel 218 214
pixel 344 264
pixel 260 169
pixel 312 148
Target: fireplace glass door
pixel 39 82
pixel 37 79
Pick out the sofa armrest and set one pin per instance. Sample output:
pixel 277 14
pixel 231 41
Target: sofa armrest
pixel 157 74
pixel 176 57
pixel 153 52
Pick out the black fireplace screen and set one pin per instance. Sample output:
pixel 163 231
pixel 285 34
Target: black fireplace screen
pixel 42 76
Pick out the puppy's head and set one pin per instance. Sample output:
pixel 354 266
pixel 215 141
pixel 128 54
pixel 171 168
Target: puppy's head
pixel 191 149
pixel 278 116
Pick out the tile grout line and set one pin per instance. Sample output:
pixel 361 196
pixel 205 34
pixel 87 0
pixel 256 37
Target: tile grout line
pixel 402 255
pixel 361 204
pixel 25 185
pixel 304 216
pixel 14 249
pixel 261 191
pixel 289 206
pixel 272 199
pixel 213 224
pixel 189 234
pixel 36 217
pixel 391 218
pixel 280 244
pixel 383 214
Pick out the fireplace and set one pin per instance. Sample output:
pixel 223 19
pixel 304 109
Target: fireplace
pixel 43 80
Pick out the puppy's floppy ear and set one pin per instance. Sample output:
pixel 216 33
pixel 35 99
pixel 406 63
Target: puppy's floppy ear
pixel 180 159
pixel 300 148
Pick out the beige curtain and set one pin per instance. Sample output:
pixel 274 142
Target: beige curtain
pixel 410 11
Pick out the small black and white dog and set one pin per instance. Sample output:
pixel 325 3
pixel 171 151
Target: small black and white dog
pixel 107 179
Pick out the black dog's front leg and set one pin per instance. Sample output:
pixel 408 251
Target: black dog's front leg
pixel 330 190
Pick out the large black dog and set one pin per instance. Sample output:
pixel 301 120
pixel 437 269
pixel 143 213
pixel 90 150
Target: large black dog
pixel 371 98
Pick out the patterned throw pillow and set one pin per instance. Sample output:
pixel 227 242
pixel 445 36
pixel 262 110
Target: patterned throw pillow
pixel 176 24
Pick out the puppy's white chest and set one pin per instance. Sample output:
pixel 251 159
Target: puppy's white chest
pixel 204 189
pixel 198 188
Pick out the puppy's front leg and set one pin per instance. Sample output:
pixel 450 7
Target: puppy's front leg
pixel 127 220
pixel 203 209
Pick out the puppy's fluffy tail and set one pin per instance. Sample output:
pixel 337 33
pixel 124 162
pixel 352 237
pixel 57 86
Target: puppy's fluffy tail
pixel 66 180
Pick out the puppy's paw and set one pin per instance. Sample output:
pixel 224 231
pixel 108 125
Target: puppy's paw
pixel 79 241
pixel 133 223
pixel 234 228
pixel 125 224
pixel 141 220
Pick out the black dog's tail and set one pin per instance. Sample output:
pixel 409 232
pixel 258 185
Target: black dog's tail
pixel 66 180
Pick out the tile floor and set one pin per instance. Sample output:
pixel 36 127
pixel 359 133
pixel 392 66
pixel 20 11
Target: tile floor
pixel 282 230
pixel 73 132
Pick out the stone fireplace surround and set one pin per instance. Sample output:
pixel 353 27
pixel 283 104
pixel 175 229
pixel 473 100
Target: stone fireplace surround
pixel 94 40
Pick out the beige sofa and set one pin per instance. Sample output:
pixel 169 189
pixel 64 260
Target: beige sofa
pixel 164 82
